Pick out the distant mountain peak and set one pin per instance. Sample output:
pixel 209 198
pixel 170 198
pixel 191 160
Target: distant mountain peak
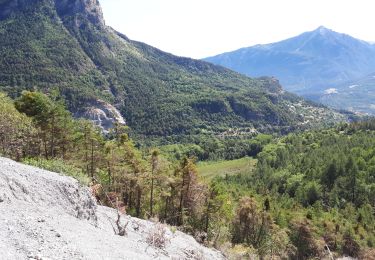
pixel 308 62
pixel 324 30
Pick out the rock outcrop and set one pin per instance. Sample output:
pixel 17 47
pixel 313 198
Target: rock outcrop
pixel 102 114
pixel 89 9
pixel 47 216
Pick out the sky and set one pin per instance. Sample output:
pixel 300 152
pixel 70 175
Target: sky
pixel 202 28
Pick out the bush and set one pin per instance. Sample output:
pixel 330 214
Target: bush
pixel 16 130
pixel 156 236
pixel 250 226
pixel 350 247
pixel 59 166
pixel 309 193
pixel 302 238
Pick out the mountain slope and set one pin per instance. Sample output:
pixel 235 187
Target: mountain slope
pixel 61 220
pixel 357 95
pixel 306 63
pixel 66 44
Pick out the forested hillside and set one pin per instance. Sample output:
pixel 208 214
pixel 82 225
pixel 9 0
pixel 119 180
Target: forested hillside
pixel 318 187
pixel 46 44
pixel 307 192
pixel 356 95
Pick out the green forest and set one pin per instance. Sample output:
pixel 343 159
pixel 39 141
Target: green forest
pixel 298 196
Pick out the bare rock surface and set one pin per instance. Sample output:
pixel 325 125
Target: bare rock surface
pixel 103 114
pixel 47 216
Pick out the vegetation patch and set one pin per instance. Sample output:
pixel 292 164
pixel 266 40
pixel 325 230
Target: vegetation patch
pixel 59 166
pixel 212 169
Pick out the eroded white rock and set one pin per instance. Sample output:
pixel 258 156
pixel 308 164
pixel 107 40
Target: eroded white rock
pixel 40 220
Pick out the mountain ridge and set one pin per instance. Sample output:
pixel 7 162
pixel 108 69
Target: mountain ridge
pixel 66 45
pixel 309 61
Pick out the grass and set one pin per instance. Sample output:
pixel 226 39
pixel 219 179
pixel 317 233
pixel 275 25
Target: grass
pixel 211 169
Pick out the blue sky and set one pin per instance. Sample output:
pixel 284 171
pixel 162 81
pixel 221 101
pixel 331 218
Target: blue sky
pixel 201 28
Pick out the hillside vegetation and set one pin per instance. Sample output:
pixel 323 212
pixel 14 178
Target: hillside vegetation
pixel 46 44
pixel 307 191
pixel 318 187
pixel 355 95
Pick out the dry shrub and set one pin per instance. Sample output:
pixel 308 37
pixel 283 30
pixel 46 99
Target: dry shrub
pixel 96 191
pixel 368 254
pixel 200 237
pixel 194 254
pixel 239 252
pixel 157 236
pixel 350 247
pixel 121 227
pixel 302 237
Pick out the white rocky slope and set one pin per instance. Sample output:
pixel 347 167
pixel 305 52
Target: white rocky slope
pixel 47 216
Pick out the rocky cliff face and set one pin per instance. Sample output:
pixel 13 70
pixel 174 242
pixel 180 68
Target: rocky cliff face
pixel 89 9
pixel 102 114
pixel 68 16
pixel 8 7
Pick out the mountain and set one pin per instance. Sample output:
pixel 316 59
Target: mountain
pixel 65 44
pixel 307 63
pixel 356 95
pixel 60 219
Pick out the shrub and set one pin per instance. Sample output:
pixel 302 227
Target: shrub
pixel 59 166
pixel 350 247
pixel 303 239
pixel 157 237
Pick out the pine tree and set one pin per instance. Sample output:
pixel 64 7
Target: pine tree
pixel 154 168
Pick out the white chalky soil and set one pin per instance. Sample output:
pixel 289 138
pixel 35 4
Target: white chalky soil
pixel 47 216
